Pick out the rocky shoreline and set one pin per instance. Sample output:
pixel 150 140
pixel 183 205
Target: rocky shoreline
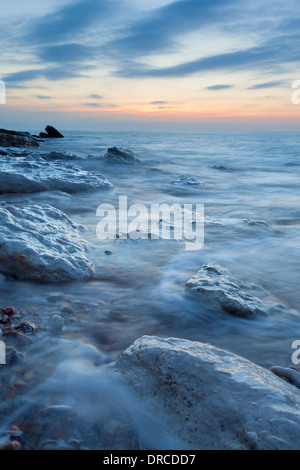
pixel 207 398
pixel 9 138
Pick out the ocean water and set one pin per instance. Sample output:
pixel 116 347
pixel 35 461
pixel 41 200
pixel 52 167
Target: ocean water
pixel 139 288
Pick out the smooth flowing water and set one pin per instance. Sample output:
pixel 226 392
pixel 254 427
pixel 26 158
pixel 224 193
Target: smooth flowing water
pixel 139 287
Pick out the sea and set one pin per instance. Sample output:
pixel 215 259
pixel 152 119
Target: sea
pixel 60 393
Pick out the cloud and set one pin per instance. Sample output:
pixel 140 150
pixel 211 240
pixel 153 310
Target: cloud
pixel 67 22
pixel 96 97
pixel 260 86
pixel 65 53
pixel 42 97
pixel 271 54
pixel 163 26
pixel 219 87
pixel 93 105
pixel 158 102
pixel 14 86
pixel 50 73
pixel 88 34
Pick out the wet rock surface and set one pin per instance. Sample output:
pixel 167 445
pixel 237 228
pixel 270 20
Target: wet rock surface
pixel 120 155
pixel 17 139
pixel 216 287
pixel 32 173
pixel 188 181
pixel 41 242
pixel 210 398
pixel 291 376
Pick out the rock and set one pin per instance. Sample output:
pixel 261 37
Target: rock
pixel 42 243
pixel 188 181
pixel 120 155
pixel 257 223
pixel 218 288
pixel 210 398
pixel 6 330
pixel 17 139
pixel 13 355
pixel 56 324
pixel 54 297
pixel 51 132
pixel 290 375
pixel 34 174
pixel 54 155
pixel 26 327
pixel 12 445
pixel 220 167
pixel 9 311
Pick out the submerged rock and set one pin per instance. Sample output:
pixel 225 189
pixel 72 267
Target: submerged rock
pixel 54 155
pixel 42 243
pixel 56 324
pixel 217 287
pixel 17 139
pixel 34 174
pixel 188 181
pixel 220 167
pixel 210 398
pixel 257 223
pixel 120 155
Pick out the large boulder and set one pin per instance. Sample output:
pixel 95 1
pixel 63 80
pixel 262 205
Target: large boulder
pixel 210 398
pixel 17 139
pixel 33 173
pixel 42 243
pixel 51 132
pixel 120 155
pixel 216 287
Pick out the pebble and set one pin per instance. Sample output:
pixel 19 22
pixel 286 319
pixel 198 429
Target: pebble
pixel 12 445
pixel 13 354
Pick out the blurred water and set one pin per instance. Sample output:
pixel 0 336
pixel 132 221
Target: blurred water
pixel 139 288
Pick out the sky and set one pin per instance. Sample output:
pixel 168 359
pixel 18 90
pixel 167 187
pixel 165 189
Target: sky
pixel 150 65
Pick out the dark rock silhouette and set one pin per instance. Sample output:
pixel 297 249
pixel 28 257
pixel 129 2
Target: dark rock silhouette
pixel 17 139
pixel 51 132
